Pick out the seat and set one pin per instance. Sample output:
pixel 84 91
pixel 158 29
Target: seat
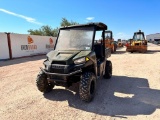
pixel 98 50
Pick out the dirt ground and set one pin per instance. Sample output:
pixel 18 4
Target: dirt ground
pixel 132 93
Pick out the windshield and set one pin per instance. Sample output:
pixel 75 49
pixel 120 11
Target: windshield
pixel 75 39
pixel 108 36
pixel 138 37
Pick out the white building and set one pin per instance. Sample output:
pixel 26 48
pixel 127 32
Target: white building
pixel 153 37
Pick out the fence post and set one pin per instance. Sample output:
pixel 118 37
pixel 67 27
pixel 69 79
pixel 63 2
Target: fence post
pixel 9 45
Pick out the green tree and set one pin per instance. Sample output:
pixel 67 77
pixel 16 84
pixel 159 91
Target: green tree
pixel 35 32
pixel 65 22
pixel 49 31
pixel 55 32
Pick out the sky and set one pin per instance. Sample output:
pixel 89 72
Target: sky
pixel 123 17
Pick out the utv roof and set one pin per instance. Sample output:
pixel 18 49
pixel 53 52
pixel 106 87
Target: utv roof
pixel 98 25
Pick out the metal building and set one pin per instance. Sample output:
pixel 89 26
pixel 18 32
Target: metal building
pixel 154 38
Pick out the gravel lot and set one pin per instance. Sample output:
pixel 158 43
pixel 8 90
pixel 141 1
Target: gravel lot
pixel 132 93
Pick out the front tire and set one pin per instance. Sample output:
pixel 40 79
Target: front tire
pixel 108 70
pixel 42 83
pixel 115 47
pixel 87 86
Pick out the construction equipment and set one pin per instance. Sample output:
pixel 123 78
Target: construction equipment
pixel 120 43
pixel 109 41
pixel 138 43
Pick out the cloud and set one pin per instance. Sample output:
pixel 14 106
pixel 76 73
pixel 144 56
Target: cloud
pixel 28 19
pixel 90 18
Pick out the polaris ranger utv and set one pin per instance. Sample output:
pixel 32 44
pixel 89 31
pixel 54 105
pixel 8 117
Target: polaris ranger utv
pixel 77 58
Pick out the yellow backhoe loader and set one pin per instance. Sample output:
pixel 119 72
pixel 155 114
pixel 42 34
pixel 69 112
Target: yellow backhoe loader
pixel 138 43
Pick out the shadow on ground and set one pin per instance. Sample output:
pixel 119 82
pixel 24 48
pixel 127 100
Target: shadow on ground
pixel 21 60
pixel 153 51
pixel 148 52
pixel 120 52
pixel 143 102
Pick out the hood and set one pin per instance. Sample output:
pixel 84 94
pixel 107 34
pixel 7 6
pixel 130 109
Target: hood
pixel 66 56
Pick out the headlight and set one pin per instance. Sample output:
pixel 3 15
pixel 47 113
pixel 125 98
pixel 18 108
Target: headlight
pixel 81 60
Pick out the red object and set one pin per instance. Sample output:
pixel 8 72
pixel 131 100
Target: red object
pixel 127 44
pixel 51 41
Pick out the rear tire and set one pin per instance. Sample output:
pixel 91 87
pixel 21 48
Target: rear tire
pixel 108 70
pixel 87 86
pixel 112 49
pixel 42 83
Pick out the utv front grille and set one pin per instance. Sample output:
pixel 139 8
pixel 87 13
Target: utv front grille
pixel 59 62
pixel 57 68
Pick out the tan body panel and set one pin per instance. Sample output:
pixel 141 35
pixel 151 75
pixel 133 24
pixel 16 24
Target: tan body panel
pixel 108 44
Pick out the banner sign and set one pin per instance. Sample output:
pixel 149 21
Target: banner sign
pixel 28 45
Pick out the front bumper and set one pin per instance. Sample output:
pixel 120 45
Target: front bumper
pixel 62 73
pixel 59 74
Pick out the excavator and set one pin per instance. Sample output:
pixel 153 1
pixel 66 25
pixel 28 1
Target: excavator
pixel 109 41
pixel 138 43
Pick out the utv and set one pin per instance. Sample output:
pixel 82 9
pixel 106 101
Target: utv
pixel 77 58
